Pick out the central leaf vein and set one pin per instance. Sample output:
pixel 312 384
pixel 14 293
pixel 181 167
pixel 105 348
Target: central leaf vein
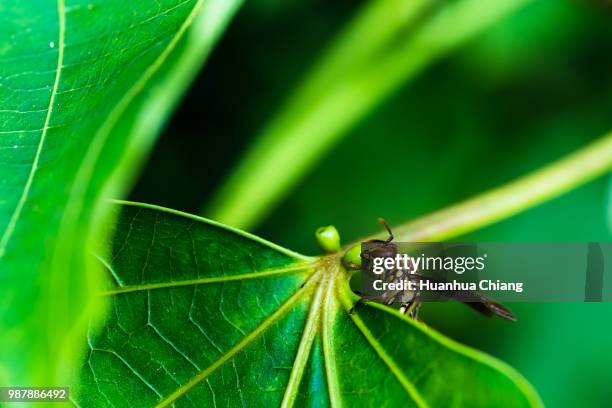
pixel 301 358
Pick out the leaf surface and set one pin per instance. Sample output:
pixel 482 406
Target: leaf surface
pixel 206 315
pixel 70 72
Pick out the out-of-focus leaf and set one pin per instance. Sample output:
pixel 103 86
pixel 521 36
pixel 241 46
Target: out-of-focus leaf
pixel 206 315
pixel 72 77
pixel 346 86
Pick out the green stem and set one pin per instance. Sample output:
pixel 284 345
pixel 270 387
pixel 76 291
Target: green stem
pixel 356 75
pixel 502 202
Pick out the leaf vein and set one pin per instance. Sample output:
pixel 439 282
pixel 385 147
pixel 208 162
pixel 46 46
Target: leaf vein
pixel 10 228
pixel 403 380
pixel 328 348
pixel 201 281
pixel 249 338
pixel 302 355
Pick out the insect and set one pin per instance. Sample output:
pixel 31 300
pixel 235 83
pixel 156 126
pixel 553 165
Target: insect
pixel 410 301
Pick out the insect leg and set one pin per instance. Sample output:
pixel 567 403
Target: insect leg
pixel 404 307
pixel 362 299
pixel 357 303
pixel 384 223
pixel 415 310
pixel 411 309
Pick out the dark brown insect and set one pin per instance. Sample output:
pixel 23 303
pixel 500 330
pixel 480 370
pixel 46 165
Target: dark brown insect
pixel 410 301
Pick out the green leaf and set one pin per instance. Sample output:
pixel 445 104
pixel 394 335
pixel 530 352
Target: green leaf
pixel 378 52
pixel 204 315
pixel 77 81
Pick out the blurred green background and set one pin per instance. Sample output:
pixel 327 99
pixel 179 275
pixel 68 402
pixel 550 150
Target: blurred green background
pixel 532 88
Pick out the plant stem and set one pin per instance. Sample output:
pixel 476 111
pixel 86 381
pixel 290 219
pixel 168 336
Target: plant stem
pixel 502 202
pixel 356 75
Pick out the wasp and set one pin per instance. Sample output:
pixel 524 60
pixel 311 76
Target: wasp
pixel 410 301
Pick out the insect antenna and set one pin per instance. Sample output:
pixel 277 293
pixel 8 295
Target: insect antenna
pixel 384 223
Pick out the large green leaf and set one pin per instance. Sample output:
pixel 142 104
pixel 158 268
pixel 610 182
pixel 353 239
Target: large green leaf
pixel 206 315
pixel 70 72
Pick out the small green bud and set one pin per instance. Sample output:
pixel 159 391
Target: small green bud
pixel 329 238
pixel 352 257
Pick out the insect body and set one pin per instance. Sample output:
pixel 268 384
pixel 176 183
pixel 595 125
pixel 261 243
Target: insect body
pixel 410 300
